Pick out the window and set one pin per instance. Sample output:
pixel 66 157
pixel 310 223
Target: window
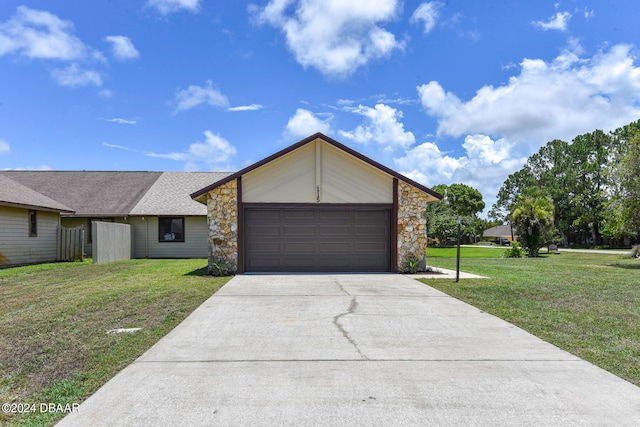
pixel 33 224
pixel 171 229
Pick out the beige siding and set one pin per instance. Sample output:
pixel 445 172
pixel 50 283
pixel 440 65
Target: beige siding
pixel 288 179
pixel 16 247
pixel 317 170
pixel 347 179
pixel 146 244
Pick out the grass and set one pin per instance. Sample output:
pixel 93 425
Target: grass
pixel 587 304
pixel 54 318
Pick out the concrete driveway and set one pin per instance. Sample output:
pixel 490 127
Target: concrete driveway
pixel 353 350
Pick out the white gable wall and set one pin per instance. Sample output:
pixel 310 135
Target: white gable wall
pixel 317 173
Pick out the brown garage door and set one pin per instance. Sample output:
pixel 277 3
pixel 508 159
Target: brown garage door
pixel 297 239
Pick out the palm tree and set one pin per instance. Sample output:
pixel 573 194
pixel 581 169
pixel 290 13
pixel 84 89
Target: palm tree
pixel 532 216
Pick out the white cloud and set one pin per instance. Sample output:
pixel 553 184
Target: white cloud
pixel 119 147
pixel 4 147
pixel 558 22
pixel 166 7
pixel 559 99
pixel 334 36
pixel 170 156
pixel 382 126
pixel 30 168
pixel 251 107
pixel 121 121
pixel 214 152
pixel 427 14
pixel 74 76
pixel 504 125
pixel 196 95
pixel 122 47
pixel 38 34
pixel 485 165
pixel 304 123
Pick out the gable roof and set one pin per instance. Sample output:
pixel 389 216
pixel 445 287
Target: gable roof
pixel 498 231
pixel 169 195
pixel 89 193
pixel 118 193
pixel 17 195
pixel 199 195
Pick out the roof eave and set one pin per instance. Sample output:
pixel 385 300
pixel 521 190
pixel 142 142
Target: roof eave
pixel 35 207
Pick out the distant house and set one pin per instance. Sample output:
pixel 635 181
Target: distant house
pixel 28 224
pixel 165 221
pixel 498 232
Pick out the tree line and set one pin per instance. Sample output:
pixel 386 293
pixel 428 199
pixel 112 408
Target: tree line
pixel 586 192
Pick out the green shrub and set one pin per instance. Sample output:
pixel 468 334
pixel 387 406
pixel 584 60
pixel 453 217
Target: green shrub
pixel 515 251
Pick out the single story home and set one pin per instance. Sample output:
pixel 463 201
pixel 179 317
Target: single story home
pixel 165 221
pixel 316 206
pixel 498 233
pixel 29 224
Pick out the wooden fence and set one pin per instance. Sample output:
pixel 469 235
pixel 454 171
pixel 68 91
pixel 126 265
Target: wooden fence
pixel 70 244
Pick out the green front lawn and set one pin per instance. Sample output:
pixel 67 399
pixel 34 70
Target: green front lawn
pixel 587 304
pixel 54 318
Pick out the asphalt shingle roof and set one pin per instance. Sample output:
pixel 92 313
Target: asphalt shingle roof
pixel 498 231
pixel 170 194
pixel 13 193
pixel 117 193
pixel 89 193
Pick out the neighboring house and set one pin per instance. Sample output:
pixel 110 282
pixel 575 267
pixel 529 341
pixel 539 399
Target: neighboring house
pixel 316 206
pixel 498 232
pixel 29 223
pixel 165 221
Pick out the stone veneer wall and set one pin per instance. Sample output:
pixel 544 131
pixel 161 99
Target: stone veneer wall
pixel 222 215
pixel 412 226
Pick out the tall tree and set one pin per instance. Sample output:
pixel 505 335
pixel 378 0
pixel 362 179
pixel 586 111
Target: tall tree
pixel 589 160
pixel 460 201
pixel 630 175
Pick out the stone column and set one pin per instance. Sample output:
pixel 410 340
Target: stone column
pixel 222 218
pixel 412 227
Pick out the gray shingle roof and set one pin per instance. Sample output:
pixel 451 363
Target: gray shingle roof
pixel 89 193
pixel 116 193
pixel 498 231
pixel 170 194
pixel 13 193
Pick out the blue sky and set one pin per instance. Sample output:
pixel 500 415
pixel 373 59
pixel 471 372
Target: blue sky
pixel 443 92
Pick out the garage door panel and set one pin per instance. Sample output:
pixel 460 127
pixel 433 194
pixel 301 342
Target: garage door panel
pixel 371 215
pixel 293 248
pixel 263 214
pixel 298 230
pixel 331 247
pixel 264 230
pixel 335 215
pixel 321 238
pixel 376 247
pixel 298 263
pixel 335 230
pixel 264 247
pixel 297 214
pixel 370 231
